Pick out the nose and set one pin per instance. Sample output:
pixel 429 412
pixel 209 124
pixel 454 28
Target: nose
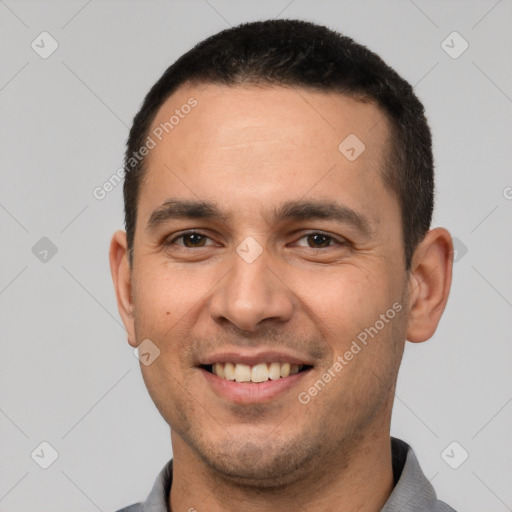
pixel 251 293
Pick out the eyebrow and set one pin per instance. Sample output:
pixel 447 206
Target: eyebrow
pixel 172 209
pixel 324 210
pixel 304 210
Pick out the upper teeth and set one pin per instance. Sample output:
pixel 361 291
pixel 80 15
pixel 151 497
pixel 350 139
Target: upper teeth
pixel 257 373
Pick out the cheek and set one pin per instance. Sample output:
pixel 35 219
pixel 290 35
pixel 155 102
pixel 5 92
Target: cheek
pixel 171 397
pixel 361 317
pixel 165 298
pixel 164 313
pixel 344 299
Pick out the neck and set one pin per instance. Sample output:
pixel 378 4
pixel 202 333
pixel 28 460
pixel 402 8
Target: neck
pixel 359 477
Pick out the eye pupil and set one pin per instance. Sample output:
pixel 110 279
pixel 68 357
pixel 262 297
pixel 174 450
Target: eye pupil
pixel 193 240
pixel 318 240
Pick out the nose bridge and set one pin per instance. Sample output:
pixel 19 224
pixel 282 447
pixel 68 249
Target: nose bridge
pixel 251 291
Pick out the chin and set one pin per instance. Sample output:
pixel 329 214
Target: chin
pixel 260 464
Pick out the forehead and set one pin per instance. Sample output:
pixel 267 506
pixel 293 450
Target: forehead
pixel 237 112
pixel 253 143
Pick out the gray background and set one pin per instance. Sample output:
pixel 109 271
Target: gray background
pixel 68 376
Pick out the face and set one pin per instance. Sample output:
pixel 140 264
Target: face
pixel 262 251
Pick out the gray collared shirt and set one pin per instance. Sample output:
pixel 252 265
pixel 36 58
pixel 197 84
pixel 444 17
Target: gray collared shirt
pixel 412 492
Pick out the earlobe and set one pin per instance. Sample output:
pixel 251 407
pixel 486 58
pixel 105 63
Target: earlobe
pixel 429 284
pixel 121 276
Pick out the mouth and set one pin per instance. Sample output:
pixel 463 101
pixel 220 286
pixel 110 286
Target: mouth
pixel 247 377
pixel 251 379
pixel 257 373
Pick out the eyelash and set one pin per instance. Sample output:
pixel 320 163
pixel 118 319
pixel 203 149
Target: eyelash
pixel 311 233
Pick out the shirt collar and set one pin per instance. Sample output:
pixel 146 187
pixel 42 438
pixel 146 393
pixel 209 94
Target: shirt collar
pixel 413 492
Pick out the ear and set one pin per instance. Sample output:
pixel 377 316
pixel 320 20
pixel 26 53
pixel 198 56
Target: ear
pixel 430 279
pixel 121 275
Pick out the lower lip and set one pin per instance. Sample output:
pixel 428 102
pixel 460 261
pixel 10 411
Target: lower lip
pixel 252 392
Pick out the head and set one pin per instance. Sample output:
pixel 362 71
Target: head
pixel 280 212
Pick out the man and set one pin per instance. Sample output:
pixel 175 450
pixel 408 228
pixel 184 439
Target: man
pixel 277 256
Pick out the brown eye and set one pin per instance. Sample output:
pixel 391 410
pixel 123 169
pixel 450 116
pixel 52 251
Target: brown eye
pixel 318 241
pixel 190 240
pixel 193 240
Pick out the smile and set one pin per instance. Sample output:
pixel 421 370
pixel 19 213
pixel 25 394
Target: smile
pixel 257 373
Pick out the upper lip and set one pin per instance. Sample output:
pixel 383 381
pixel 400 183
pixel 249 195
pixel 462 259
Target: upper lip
pixel 252 357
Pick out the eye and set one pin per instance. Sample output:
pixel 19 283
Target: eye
pixel 190 239
pixel 318 241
